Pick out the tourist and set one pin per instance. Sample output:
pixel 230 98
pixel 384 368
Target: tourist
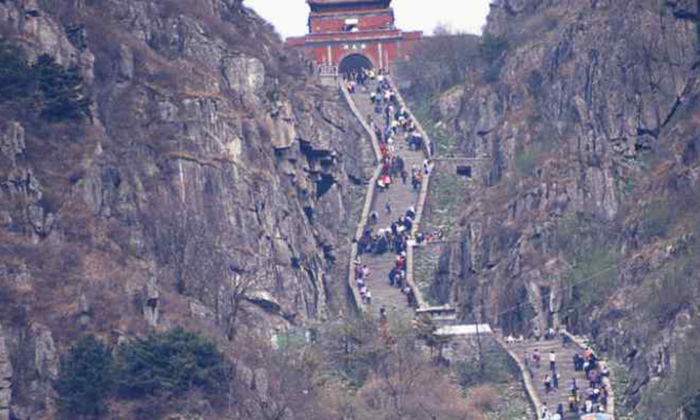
pixel 552 361
pixel 411 212
pixel 373 217
pixel 547 383
pixel 409 296
pixel 536 358
pixel 392 276
pixel 387 207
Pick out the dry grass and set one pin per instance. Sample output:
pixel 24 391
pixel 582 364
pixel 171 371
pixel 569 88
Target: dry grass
pixel 484 398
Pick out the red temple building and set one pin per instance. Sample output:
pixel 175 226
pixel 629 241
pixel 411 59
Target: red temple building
pixel 349 34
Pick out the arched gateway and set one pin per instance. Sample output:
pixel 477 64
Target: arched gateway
pixel 343 28
pixel 353 63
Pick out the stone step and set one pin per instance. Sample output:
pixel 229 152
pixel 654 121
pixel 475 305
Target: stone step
pixel 401 197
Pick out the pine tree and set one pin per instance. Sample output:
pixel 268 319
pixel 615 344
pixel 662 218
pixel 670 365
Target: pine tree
pixel 85 380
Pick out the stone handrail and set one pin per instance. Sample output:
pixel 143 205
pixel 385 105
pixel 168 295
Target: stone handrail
pixel 369 198
pixel 527 380
pixel 363 121
pixel 611 394
pixel 410 280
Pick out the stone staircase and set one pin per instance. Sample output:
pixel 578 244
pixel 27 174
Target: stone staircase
pixel 565 367
pixel 401 196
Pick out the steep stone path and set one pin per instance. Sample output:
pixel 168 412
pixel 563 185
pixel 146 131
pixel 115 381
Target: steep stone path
pixel 565 367
pixel 401 196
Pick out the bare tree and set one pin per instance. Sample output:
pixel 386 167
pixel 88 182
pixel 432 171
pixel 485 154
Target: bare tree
pixel 240 285
pixel 442 60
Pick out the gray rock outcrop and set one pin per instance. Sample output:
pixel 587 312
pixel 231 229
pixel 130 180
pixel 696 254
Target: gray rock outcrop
pixel 590 129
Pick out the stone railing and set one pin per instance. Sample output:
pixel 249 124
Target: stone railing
pixel 530 389
pixel 369 198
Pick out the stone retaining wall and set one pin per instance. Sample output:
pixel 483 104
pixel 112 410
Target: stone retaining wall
pixel 369 198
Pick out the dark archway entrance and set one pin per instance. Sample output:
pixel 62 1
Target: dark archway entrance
pixel 353 63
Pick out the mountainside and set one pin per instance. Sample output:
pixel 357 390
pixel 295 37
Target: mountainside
pixel 587 218
pixel 161 163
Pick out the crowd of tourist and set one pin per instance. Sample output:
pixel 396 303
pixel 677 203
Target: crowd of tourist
pixel 588 398
pixel 389 122
pixel 594 397
pixel 392 239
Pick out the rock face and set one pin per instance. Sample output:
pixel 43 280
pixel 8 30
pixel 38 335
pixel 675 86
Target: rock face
pixel 5 379
pixel 591 124
pixel 211 162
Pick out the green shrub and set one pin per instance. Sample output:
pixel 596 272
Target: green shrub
pixel 657 220
pixel 16 78
pixel 46 88
pixel 168 364
pixel 496 367
pixel 591 248
pixel 492 48
pixel 593 276
pixel 492 74
pixel 60 91
pixel 85 379
pixel 526 163
pixel 674 291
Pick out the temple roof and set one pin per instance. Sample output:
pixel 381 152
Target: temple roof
pixel 344 2
pixel 330 4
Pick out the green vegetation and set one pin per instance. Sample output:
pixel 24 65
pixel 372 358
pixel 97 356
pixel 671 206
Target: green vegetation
pixel 592 251
pixel 444 145
pixel 163 365
pixel 43 88
pixel 425 263
pixel 526 163
pixel 495 367
pixel 168 363
pixel 620 380
pixel 680 392
pixel 493 49
pixel 657 220
pixel 675 289
pixel 441 61
pixel 629 186
pixel 85 379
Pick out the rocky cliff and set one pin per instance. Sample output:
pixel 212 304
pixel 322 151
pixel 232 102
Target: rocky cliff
pixel 587 217
pixel 207 185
